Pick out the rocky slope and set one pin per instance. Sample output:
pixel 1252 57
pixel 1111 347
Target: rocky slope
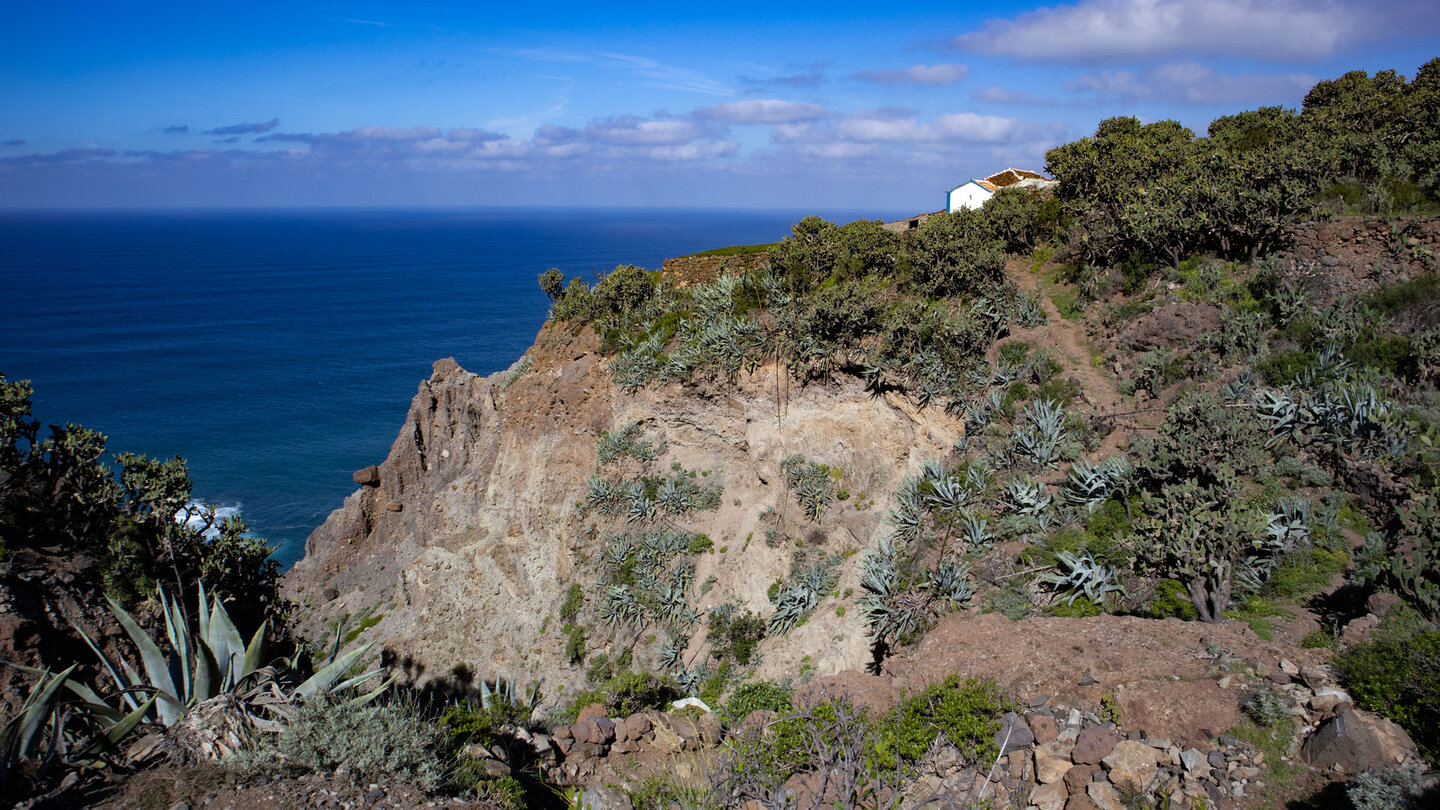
pixel 465 536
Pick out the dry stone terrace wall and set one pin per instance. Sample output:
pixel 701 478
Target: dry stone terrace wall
pixel 687 271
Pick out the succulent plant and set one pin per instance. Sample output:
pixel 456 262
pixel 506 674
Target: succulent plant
pixel 951 581
pixel 1079 575
pixel 1042 432
pixel 1026 497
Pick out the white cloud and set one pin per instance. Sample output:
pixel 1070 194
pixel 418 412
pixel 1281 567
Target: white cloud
pixel 928 75
pixel 1131 30
pixel 967 126
pixel 1193 83
pixel 999 95
pixel 632 132
pixel 762 111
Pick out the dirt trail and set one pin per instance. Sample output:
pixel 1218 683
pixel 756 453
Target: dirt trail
pixel 1071 346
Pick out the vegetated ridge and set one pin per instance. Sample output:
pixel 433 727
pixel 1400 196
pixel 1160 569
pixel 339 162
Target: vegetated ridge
pixel 1125 494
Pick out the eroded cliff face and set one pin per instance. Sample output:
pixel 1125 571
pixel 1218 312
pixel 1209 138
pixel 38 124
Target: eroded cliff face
pixel 471 531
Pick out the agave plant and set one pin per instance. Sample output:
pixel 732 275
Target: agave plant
pixel 1027 497
pixel 974 530
pixel 206 686
pixel 1091 484
pixel 1042 433
pixel 1081 575
pixel 39 737
pixel 509 691
pixel 1288 525
pixel 951 581
pixel 671 656
pixel 674 498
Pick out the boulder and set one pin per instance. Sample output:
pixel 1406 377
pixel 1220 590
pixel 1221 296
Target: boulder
pixel 1105 796
pixel 1050 796
pixel 637 726
pixel 605 797
pixel 591 711
pixel 1355 740
pixel 1044 728
pixel 1014 733
pixel 712 728
pixel 1196 764
pixel 368 476
pixel 1326 700
pixel 1132 766
pixel 1051 764
pixel 1093 745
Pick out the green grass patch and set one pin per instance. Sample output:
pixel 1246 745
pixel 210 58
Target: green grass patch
pixel 1307 572
pixel 734 250
pixel 1281 778
pixel 1257 612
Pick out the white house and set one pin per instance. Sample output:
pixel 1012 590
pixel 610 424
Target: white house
pixel 974 193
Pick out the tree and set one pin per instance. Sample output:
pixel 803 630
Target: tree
pixel 1022 217
pixel 552 281
pixel 1355 127
pixel 1198 534
pixel 67 491
pixel 1194 524
pixel 1257 178
pixel 1136 186
pixel 808 255
pixel 954 254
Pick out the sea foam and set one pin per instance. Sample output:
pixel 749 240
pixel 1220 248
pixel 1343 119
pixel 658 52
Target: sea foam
pixel 197 513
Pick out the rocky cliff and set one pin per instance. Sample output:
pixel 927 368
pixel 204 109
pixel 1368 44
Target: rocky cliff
pixel 466 535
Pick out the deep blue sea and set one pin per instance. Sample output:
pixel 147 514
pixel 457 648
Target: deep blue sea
pixel 277 351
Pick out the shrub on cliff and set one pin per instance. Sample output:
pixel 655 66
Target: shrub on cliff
pixel 66 490
pixel 954 254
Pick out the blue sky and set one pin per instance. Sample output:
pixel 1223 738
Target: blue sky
pixel 797 105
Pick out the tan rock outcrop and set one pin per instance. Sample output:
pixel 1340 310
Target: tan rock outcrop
pixel 489 475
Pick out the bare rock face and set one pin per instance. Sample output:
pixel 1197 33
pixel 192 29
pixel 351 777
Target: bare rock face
pixel 467 534
pixel 1354 740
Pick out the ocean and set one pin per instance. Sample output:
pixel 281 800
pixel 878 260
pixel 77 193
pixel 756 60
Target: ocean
pixel 277 351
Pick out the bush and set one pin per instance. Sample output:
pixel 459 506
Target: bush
pixel 574 600
pixel 575 643
pixel 966 712
pixel 1266 708
pixel 377 741
pixel 756 696
pixel 624 695
pixel 1398 675
pixel 954 254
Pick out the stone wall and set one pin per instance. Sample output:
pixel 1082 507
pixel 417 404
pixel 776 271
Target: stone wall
pixel 687 271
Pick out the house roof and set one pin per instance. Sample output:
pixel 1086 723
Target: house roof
pixel 985 184
pixel 1012 175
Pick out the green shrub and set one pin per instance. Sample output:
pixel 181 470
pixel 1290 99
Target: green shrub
pixel 1266 708
pixel 755 696
pixel 1398 675
pixel 701 544
pixel 1076 609
pixel 575 643
pixel 624 694
pixel 733 633
pixel 379 741
pixel 1172 601
pixel 570 606
pixel 966 712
